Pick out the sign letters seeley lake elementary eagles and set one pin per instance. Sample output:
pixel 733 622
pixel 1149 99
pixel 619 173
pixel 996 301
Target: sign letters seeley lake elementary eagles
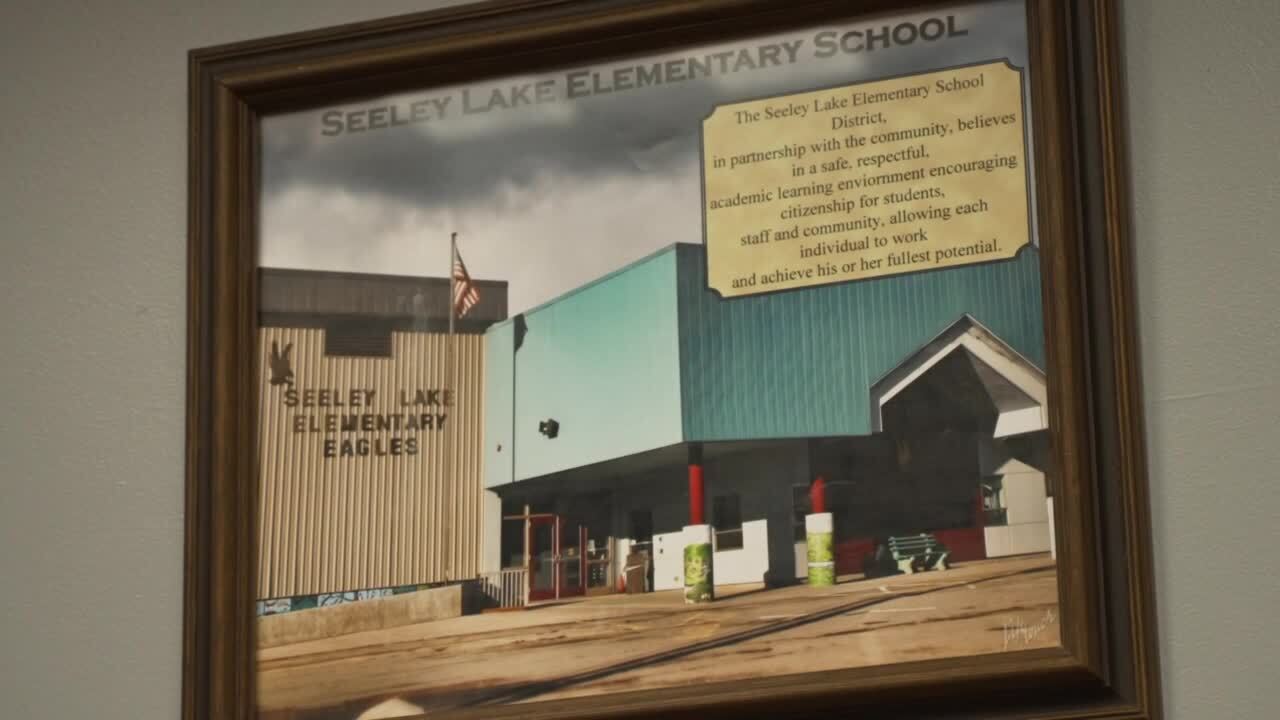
pixel 350 416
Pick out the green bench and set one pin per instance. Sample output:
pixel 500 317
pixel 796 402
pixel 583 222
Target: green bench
pixel 916 553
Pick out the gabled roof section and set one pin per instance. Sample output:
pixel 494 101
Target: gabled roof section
pixel 1015 385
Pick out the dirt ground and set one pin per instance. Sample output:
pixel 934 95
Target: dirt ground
pixel 633 642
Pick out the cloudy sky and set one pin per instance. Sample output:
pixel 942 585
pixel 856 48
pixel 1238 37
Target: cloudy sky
pixel 551 196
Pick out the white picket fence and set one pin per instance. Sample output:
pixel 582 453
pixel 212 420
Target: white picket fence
pixel 508 588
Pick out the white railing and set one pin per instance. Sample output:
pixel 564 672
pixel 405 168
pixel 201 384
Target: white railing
pixel 508 588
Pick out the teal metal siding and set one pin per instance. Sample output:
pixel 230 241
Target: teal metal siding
pixel 498 389
pixel 800 363
pixel 603 362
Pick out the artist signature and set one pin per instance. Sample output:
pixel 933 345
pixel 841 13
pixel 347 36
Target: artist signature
pixel 1017 630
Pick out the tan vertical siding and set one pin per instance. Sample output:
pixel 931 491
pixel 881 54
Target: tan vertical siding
pixel 350 523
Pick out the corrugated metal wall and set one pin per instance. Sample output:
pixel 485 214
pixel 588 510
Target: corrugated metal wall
pixel 349 523
pixel 800 363
pixel 609 362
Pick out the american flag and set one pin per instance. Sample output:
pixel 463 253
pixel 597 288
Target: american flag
pixel 465 293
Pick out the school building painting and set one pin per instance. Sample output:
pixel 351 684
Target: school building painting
pixel 641 432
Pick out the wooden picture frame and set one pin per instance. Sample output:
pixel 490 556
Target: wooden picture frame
pixel 1107 667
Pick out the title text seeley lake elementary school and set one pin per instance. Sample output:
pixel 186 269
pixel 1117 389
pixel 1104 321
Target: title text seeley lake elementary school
pixel 582 83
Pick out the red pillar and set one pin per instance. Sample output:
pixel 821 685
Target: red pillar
pixel 818 495
pixel 697 492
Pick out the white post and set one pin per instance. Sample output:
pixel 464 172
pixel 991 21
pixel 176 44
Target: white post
pixel 1053 538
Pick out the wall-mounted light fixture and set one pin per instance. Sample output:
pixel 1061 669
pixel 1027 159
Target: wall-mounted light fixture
pixel 549 427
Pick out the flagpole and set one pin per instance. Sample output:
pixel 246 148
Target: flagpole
pixel 453 278
pixel 451 386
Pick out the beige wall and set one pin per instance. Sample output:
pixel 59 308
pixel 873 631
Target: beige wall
pixel 369 509
pixel 92 286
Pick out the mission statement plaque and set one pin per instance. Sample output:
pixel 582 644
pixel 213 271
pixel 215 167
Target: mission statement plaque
pixel 866 180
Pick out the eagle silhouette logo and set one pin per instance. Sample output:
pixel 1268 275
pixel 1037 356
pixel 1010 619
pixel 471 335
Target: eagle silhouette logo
pixel 281 372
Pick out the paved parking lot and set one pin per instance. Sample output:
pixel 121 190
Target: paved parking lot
pixel 631 642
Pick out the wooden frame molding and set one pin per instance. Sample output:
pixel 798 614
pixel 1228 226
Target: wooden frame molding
pixel 1107 667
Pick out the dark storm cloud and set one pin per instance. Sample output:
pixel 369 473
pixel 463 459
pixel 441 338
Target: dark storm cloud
pixel 467 161
pixel 429 170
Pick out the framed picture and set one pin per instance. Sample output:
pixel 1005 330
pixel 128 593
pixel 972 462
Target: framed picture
pixel 683 358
